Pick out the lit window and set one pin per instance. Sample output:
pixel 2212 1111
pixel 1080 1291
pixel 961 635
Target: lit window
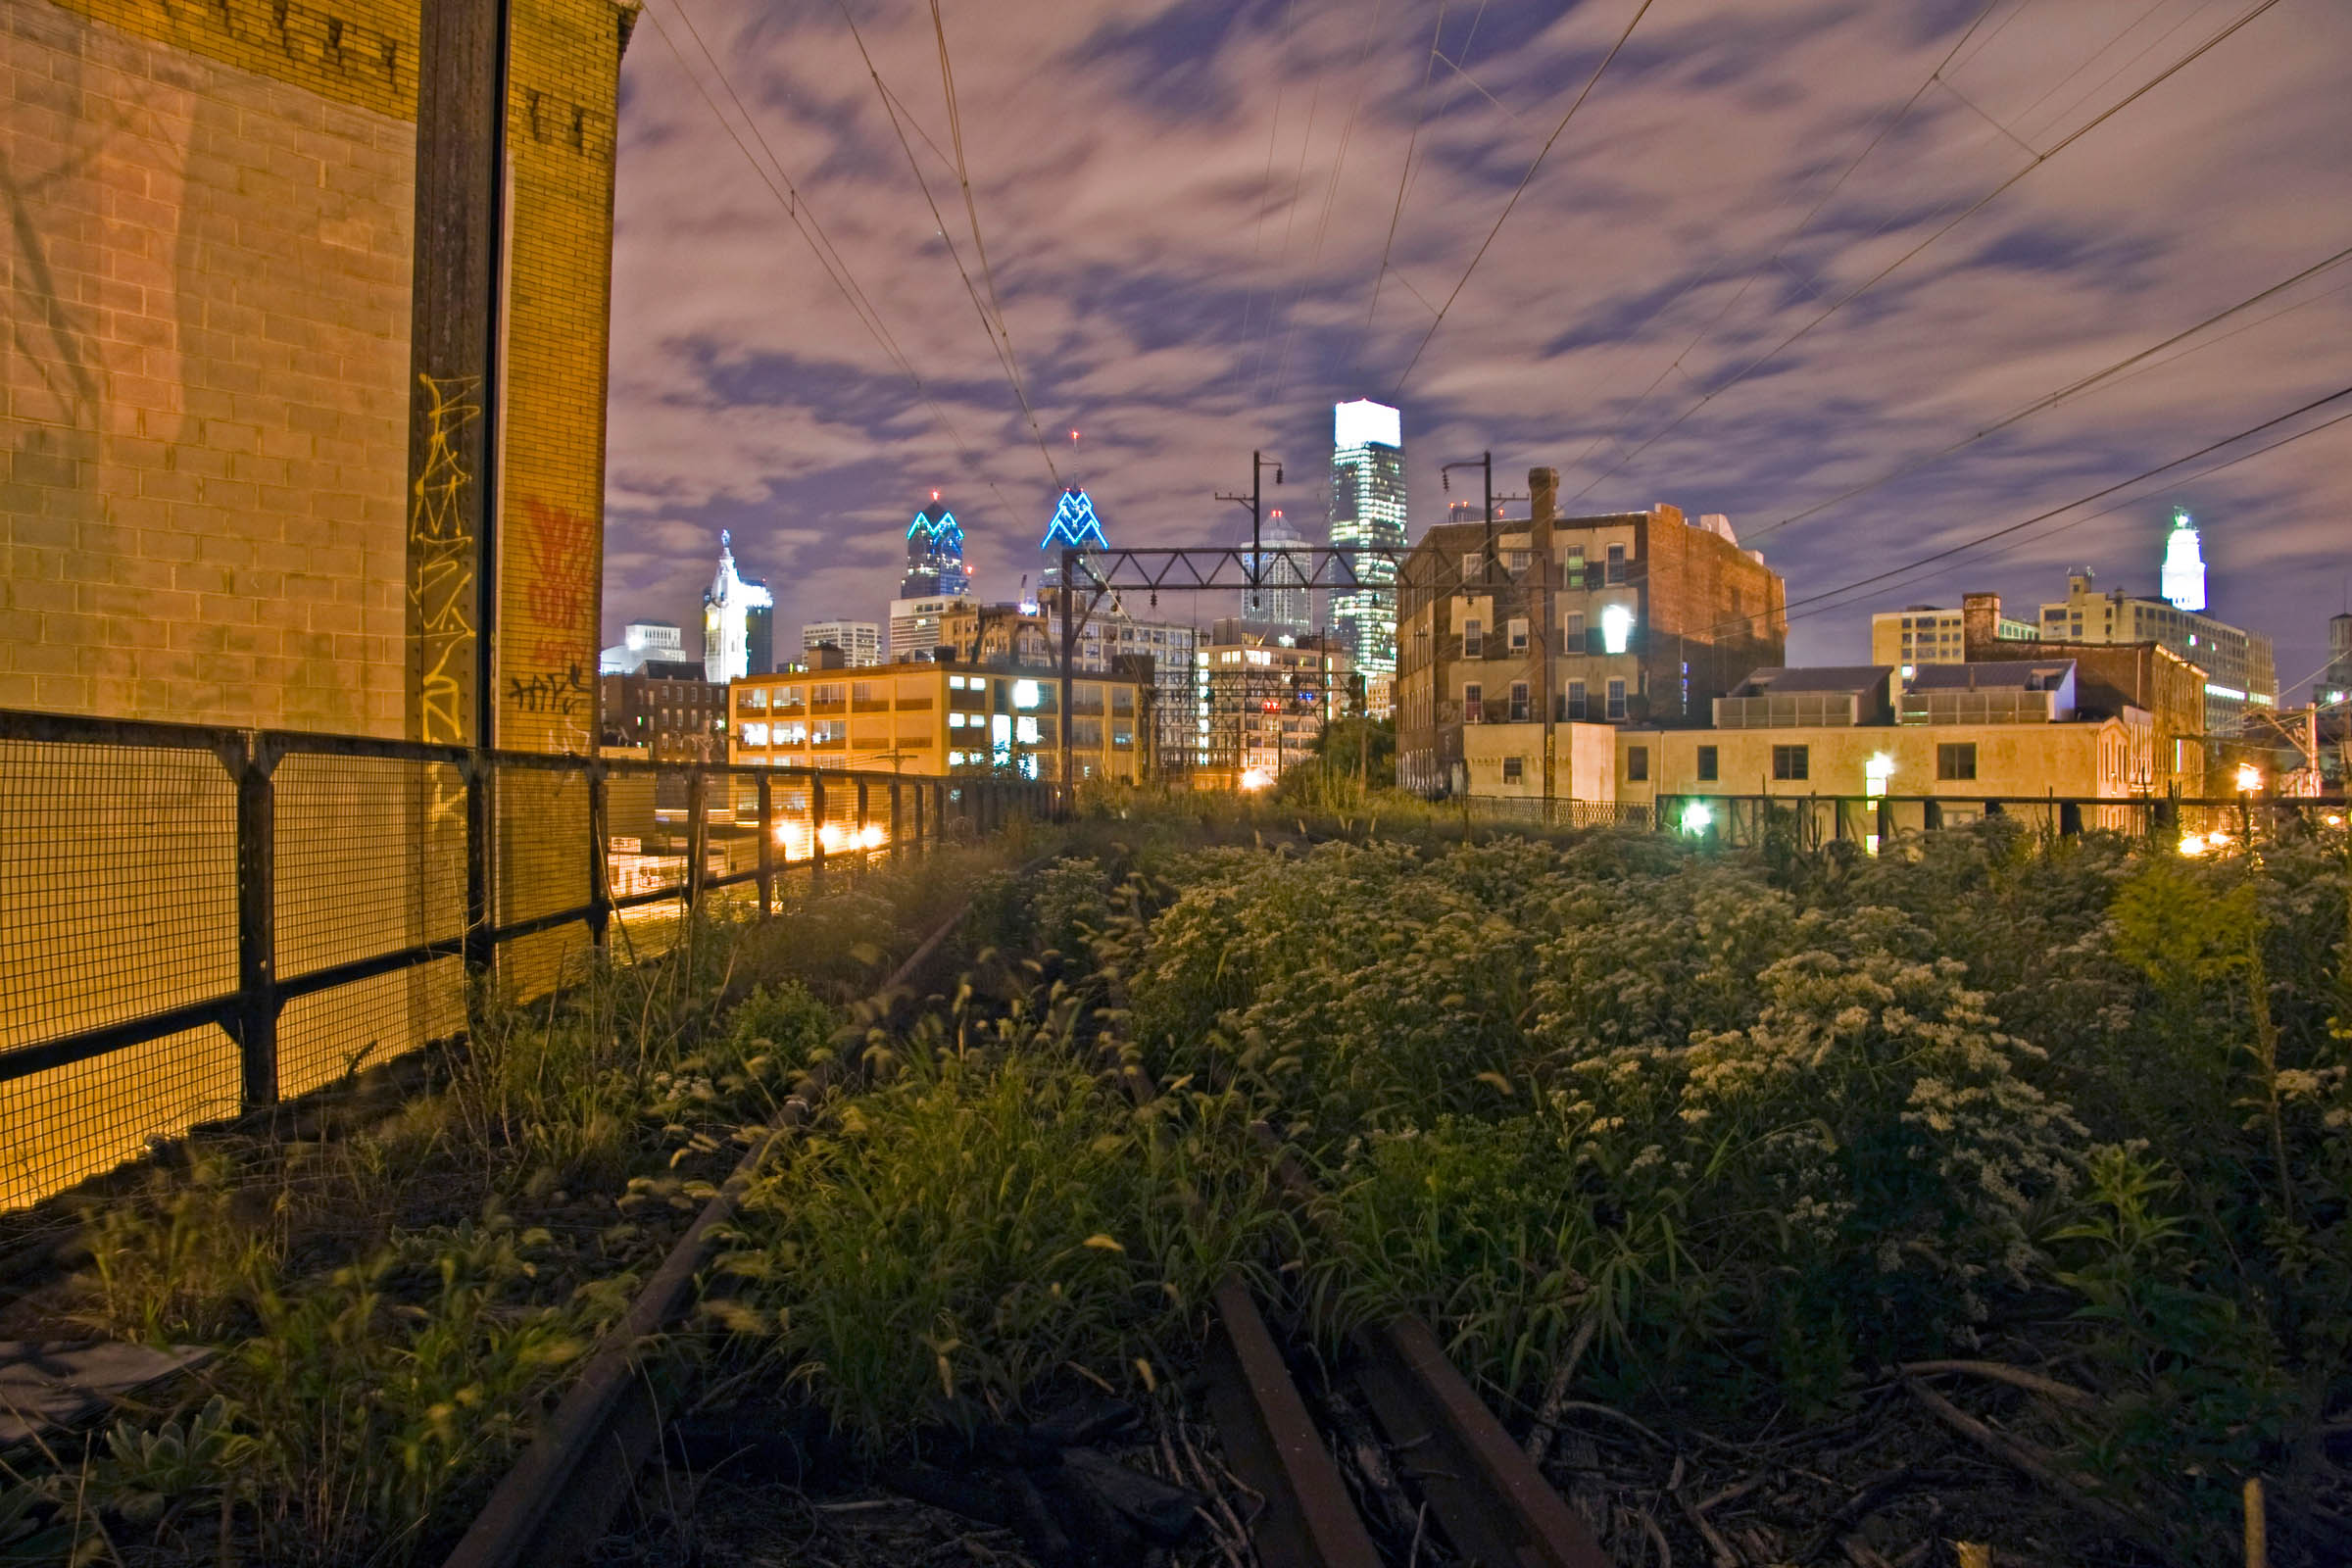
pixel 1616 627
pixel 754 734
pixel 1025 694
pixel 955 683
pixel 1025 732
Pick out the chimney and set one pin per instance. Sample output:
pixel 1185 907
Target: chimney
pixel 1543 495
pixel 1980 625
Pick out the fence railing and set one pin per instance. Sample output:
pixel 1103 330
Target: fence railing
pixel 198 922
pixel 2194 824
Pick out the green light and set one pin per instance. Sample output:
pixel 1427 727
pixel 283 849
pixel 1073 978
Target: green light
pixel 1698 817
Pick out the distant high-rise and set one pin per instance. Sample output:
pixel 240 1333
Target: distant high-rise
pixel 2336 683
pixel 1282 602
pixel 935 555
pixel 2183 565
pixel 739 618
pixel 1074 527
pixel 859 641
pixel 1368 509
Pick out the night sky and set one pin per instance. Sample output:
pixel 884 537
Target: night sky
pixel 1185 208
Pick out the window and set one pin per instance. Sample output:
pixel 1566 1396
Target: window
pixel 1616 562
pixel 752 698
pixel 1474 639
pixel 1791 762
pixel 1473 566
pixel 1637 763
pixel 1518 702
pixel 1572 632
pixel 1572 568
pixel 1616 628
pixel 1517 632
pixel 1514 562
pixel 794 733
pixel 1616 698
pixel 1576 701
pixel 831 692
pixel 754 734
pixel 1514 770
pixel 1471 704
pixel 1706 765
pixel 1956 759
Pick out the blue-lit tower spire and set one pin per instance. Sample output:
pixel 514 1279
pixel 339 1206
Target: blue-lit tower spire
pixel 935 555
pixel 1074 527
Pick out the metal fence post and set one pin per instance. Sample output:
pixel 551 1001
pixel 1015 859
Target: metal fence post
pixel 864 821
pixel 898 847
pixel 698 835
pixel 767 847
pixel 481 948
pixel 257 924
pixel 816 824
pixel 600 865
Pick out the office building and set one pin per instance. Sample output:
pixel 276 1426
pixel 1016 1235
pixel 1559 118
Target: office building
pixel 739 618
pixel 1029 636
pixel 2110 677
pixel 933 720
pixel 1930 634
pixel 1280 598
pixel 670 708
pixel 1368 509
pixel 859 641
pixel 2335 681
pixel 2240 671
pixel 642 642
pixel 1637 617
pixel 1073 526
pixel 1267 696
pixel 935 555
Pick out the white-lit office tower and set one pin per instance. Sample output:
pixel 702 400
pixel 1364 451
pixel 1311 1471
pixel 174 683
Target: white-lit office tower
pixel 1281 600
pixel 1367 509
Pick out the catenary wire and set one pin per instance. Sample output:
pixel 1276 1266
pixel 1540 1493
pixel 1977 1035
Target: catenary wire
pixel 1974 208
pixel 804 219
pixel 971 208
pixel 1396 209
pixel 2050 400
pixel 1525 180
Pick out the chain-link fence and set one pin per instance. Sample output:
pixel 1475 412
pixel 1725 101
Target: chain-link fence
pixel 198 923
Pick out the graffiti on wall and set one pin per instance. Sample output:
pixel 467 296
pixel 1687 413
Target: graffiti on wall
pixel 441 566
pixel 566 696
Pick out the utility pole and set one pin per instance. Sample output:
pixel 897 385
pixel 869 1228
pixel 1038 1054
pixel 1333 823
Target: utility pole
pixel 1259 463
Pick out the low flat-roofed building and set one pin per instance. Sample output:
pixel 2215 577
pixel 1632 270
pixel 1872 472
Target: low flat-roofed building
pixel 927 718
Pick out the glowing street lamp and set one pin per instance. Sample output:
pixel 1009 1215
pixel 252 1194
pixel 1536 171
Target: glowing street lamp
pixel 2249 778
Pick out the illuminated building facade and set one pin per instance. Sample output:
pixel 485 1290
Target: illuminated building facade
pixel 739 621
pixel 929 719
pixel 1636 617
pixel 1930 634
pixel 1265 698
pixel 2184 574
pixel 642 642
pixel 2335 682
pixel 859 641
pixel 1029 636
pixel 1368 507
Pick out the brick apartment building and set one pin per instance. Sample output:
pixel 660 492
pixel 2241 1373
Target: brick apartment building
pixel 1623 618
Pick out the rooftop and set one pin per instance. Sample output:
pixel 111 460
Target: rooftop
pixel 1846 679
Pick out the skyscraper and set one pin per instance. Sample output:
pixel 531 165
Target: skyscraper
pixel 1281 602
pixel 2183 573
pixel 1074 527
pixel 1367 509
pixel 738 620
pixel 935 555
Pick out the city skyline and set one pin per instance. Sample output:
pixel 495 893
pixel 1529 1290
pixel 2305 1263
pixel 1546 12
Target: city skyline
pixel 1147 305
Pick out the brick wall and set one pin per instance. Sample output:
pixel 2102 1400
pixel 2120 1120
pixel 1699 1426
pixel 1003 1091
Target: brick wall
pixel 203 508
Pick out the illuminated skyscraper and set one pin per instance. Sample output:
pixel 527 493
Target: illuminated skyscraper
pixel 2184 565
pixel 738 622
pixel 935 555
pixel 1367 508
pixel 1074 527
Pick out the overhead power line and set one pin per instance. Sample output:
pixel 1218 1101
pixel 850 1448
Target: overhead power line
pixel 1879 276
pixel 2051 400
pixel 787 196
pixel 2010 531
pixel 1413 140
pixel 1525 180
pixel 971 209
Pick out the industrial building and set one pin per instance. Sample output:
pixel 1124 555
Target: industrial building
pixel 1637 617
pixel 933 718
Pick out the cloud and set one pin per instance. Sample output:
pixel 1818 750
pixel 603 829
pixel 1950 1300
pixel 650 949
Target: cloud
pixel 1187 265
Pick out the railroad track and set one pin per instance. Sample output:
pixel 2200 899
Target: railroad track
pixel 1439 1469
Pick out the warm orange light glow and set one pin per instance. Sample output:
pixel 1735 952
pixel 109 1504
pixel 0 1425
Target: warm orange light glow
pixel 1256 778
pixel 2249 777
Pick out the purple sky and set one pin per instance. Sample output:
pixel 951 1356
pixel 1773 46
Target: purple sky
pixel 1185 208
